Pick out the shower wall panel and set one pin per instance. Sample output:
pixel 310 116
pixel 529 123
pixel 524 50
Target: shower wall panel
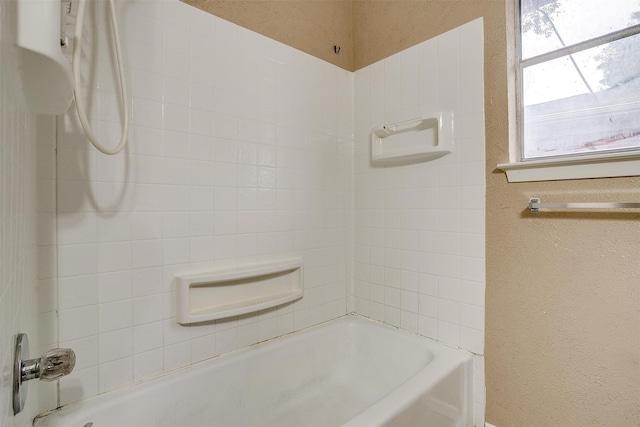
pixel 240 146
pixel 419 258
pixel 27 230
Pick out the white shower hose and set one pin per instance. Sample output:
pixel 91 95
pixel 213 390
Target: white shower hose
pixel 75 64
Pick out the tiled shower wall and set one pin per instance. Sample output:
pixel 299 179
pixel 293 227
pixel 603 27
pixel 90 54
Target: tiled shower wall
pixel 27 215
pixel 240 146
pixel 419 229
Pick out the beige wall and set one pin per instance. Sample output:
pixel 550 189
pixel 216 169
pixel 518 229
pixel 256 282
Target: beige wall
pixel 312 26
pixel 563 290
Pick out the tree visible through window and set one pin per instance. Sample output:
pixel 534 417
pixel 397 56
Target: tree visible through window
pixel 579 76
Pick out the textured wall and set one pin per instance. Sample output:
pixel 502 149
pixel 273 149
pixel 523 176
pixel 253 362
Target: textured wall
pixel 313 26
pixel 382 28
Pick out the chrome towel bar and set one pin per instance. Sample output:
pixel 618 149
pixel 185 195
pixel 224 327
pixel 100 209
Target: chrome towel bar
pixel 535 205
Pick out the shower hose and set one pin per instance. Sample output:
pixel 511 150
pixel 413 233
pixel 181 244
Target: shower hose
pixel 75 65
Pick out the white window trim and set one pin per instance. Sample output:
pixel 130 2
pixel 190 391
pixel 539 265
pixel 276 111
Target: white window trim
pixel 597 165
pixel 577 167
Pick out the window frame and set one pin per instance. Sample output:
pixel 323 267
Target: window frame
pixel 603 164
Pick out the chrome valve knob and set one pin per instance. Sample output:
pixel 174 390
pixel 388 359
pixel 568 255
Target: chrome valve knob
pixel 52 365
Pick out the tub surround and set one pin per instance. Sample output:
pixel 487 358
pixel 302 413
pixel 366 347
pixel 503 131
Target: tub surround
pixel 241 146
pixel 419 227
pixel 27 231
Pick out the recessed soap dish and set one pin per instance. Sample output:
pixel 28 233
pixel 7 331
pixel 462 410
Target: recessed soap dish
pixel 239 288
pixel 421 139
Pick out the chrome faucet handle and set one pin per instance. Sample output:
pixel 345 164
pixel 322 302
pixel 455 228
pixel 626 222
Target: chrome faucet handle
pixel 52 365
pixel 56 363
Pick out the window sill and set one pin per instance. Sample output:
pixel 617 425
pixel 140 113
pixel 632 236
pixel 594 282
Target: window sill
pixel 578 167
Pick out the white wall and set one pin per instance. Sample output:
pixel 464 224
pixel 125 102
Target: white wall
pixel 240 146
pixel 27 215
pixel 419 229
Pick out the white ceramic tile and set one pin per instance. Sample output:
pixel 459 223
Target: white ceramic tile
pixel 448 71
pixel 77 291
pixel 146 225
pixel 147 198
pixel 449 333
pixel 79 385
pixel 175 198
pixel 225 223
pixel 114 286
pixel 148 364
pixel 203 198
pixel 146 85
pixel 472 316
pixel 114 256
pixel 116 374
pixel 176 64
pixel 472 149
pixel 176 171
pixel 148 31
pixel 75 260
pixel 472 293
pixel 114 345
pixel 78 323
pixel 147 113
pixel 75 228
pixel 147 309
pixel 114 315
pixel 114 228
pixel 201 249
pixel 201 224
pixel 146 57
pixel 201 173
pixel 175 118
pixel 175 251
pixel 86 350
pixel 175 224
pixel 472 339
pixel 428 326
pixel 203 348
pixel 474 269
pixel 148 336
pixel 471 125
pixel 409 321
pixel 175 91
pixel 201 122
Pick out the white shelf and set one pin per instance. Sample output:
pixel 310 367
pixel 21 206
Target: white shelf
pixel 422 139
pixel 241 287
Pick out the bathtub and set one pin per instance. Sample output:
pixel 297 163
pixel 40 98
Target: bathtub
pixel 349 372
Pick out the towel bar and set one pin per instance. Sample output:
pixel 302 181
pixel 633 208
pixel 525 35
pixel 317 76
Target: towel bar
pixel 535 205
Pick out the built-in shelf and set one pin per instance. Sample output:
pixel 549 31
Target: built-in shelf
pixel 422 139
pixel 239 287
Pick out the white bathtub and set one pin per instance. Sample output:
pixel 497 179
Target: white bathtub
pixel 350 372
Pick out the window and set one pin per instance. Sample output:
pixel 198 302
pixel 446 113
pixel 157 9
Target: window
pixel 578 86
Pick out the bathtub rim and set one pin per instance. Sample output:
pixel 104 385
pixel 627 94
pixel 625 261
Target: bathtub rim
pixel 443 356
